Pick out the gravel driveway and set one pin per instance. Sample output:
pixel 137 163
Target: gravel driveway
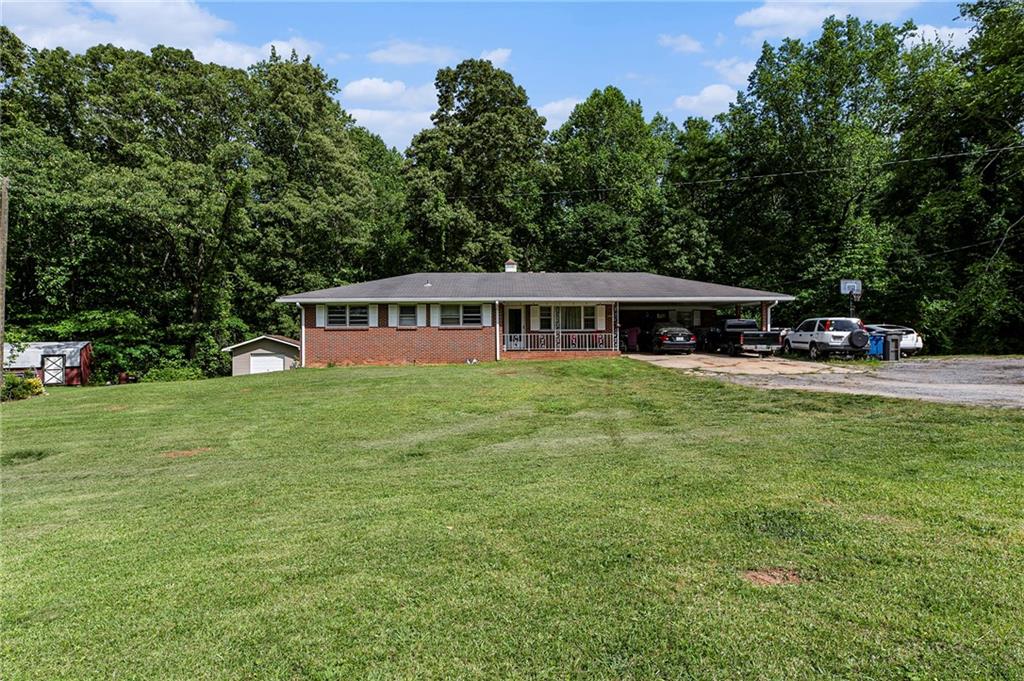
pixel 986 381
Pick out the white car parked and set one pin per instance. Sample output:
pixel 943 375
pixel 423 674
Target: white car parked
pixel 823 336
pixel 910 343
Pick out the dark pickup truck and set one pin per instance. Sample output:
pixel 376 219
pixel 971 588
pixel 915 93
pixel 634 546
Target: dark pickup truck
pixel 740 335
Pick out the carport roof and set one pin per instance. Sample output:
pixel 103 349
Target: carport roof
pixel 535 287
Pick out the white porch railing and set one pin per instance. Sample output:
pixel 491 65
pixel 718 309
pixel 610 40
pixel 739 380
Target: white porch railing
pixel 557 341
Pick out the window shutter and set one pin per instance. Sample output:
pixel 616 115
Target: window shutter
pixel 535 318
pixel 321 315
pixel 599 317
pixel 421 315
pixel 485 315
pixel 435 315
pixel 392 315
pixel 373 315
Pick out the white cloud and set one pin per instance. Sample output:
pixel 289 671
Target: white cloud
pixel 392 109
pixel 957 36
pixel 498 56
pixel 781 19
pixel 680 43
pixel 395 127
pixel 558 111
pixel 734 70
pixel 711 100
pixel 402 52
pixel 372 89
pixel 77 26
pixel 720 40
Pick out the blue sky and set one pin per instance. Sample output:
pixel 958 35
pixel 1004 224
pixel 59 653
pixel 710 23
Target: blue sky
pixel 678 58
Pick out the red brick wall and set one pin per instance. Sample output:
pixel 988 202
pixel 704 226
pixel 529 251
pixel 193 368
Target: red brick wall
pixel 389 345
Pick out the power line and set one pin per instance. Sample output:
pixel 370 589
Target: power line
pixel 761 176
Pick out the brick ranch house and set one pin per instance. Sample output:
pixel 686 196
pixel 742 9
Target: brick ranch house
pixel 446 317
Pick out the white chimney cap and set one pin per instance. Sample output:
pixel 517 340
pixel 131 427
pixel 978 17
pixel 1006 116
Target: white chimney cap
pixel 510 265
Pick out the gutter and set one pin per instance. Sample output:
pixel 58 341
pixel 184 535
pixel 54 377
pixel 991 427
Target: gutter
pixel 768 320
pixel 718 300
pixel 302 336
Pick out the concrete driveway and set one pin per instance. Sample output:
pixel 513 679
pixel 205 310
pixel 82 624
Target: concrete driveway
pixel 742 365
pixel 985 381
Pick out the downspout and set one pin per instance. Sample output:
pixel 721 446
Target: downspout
pixel 768 316
pixel 302 335
pixel 497 332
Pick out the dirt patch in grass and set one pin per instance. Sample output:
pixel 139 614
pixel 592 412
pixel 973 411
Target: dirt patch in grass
pixel 116 407
pixel 772 577
pixel 245 391
pixel 185 453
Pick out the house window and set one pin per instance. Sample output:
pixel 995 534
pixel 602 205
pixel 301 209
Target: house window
pixel 348 315
pixel 471 315
pixel 451 315
pixel 571 318
pixel 544 323
pixel 589 317
pixel 337 315
pixel 461 315
pixel 407 315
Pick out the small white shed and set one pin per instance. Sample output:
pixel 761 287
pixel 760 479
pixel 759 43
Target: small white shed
pixel 263 354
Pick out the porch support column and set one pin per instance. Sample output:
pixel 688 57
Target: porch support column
pixel 764 315
pixel 497 331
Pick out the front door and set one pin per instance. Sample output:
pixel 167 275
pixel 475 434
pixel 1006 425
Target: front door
pixel 514 329
pixel 53 370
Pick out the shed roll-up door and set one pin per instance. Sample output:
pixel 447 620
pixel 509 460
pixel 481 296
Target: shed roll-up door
pixel 263 364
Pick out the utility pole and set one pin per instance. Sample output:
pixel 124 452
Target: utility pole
pixel 3 266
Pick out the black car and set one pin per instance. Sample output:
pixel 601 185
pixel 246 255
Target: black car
pixel 668 338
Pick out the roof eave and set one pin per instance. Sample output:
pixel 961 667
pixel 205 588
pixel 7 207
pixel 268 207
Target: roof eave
pixel 722 300
pixel 259 338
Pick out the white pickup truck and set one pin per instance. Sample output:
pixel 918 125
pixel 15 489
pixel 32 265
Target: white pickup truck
pixel 823 336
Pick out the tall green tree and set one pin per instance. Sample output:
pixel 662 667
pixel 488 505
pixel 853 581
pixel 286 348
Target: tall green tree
pixel 475 178
pixel 607 161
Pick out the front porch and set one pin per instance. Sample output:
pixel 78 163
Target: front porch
pixel 557 327
pixel 559 341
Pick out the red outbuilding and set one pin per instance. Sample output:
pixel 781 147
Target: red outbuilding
pixel 55 362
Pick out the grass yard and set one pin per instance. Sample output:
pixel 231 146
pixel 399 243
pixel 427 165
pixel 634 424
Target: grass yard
pixel 522 520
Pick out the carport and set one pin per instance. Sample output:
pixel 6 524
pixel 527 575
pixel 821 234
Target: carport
pixel 698 313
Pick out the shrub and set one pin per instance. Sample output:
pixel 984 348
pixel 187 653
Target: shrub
pixel 19 388
pixel 172 372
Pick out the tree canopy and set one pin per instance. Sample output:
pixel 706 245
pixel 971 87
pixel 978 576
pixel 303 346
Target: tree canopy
pixel 160 204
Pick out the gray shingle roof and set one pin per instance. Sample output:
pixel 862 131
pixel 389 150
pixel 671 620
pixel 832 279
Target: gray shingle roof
pixel 534 286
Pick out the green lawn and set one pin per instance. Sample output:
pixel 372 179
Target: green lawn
pixel 554 520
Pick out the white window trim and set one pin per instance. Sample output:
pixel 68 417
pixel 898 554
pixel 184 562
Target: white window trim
pixel 462 316
pixel 415 317
pixel 598 326
pixel 369 316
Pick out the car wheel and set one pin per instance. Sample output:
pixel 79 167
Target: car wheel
pixel 732 350
pixel 787 348
pixel 812 351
